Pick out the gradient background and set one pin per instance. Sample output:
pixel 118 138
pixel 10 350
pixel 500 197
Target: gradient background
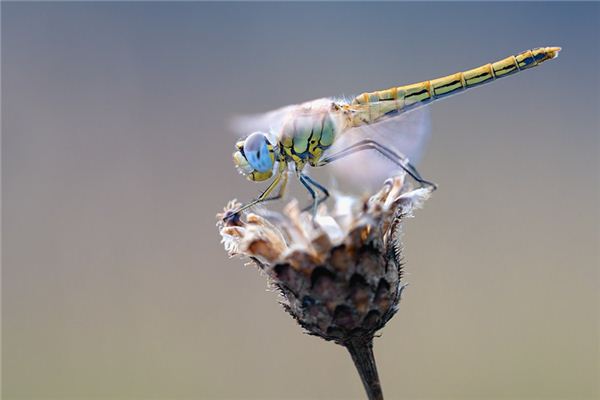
pixel 116 158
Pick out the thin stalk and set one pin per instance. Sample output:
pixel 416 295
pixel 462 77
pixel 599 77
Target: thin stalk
pixel 361 350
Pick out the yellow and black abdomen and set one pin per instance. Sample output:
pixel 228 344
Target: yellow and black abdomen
pixel 399 99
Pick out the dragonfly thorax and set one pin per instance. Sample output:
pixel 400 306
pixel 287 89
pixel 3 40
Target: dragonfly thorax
pixel 305 137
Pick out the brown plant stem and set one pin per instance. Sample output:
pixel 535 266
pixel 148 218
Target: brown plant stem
pixel 361 351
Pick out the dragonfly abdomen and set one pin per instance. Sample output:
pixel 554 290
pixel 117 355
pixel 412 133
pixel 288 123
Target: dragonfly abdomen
pixel 403 98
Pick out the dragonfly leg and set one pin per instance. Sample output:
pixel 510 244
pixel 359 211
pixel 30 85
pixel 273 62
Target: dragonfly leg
pixel 316 202
pixel 264 196
pixel 396 158
pixel 281 191
pixel 312 192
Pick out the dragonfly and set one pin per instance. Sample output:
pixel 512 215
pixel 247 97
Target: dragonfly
pixel 302 136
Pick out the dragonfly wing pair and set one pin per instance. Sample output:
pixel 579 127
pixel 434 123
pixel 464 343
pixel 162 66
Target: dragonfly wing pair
pixel 403 134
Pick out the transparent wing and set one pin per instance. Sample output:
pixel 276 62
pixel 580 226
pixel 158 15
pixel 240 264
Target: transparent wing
pixel 406 133
pixel 271 121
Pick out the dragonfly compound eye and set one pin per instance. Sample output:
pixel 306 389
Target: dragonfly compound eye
pixel 259 152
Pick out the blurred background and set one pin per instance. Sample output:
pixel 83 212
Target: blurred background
pixel 116 158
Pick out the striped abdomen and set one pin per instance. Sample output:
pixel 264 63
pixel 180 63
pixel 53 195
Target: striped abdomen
pixel 402 98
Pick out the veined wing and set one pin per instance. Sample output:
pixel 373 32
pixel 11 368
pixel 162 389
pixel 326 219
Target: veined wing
pixel 405 133
pixel 268 122
pixel 273 121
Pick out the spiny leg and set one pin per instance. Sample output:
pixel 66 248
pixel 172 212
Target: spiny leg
pixel 396 158
pixel 281 192
pixel 312 192
pixel 263 196
pixel 322 188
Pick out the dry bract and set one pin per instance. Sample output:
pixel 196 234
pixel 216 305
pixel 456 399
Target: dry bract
pixel 340 276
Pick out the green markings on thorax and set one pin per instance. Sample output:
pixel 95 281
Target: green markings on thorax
pixel 306 137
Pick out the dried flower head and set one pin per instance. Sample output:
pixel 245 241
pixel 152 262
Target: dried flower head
pixel 339 275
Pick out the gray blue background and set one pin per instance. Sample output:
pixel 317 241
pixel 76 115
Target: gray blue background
pixel 116 157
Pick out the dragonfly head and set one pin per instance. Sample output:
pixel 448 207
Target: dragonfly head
pixel 255 157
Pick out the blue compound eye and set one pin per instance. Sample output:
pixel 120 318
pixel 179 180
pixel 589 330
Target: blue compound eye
pixel 257 152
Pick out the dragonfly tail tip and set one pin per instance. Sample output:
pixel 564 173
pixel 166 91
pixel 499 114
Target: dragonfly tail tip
pixel 553 51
